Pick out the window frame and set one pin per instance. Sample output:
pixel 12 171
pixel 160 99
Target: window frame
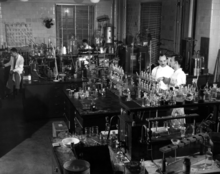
pixel 91 28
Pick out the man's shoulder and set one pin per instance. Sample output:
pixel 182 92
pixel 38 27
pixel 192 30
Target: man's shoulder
pixel 20 56
pixel 182 73
pixel 154 69
pixel 169 68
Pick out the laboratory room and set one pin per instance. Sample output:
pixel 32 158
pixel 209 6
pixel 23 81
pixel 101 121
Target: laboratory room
pixel 109 86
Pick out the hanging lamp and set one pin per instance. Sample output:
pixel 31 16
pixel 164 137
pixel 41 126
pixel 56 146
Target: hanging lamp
pixel 95 1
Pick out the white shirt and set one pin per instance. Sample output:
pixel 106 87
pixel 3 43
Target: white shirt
pixel 159 72
pixel 18 66
pixel 178 78
pixel 86 47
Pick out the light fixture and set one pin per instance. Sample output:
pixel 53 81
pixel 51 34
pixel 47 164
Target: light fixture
pixel 95 1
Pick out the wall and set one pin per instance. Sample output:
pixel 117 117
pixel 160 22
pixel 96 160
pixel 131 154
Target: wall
pixel 133 17
pixel 208 25
pixel 169 25
pixel 120 20
pixel 203 20
pixel 34 11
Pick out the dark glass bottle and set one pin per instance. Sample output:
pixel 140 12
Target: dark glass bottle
pixel 186 166
pixel 164 165
pixel 201 96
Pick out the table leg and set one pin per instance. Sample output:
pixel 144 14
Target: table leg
pixel 216 109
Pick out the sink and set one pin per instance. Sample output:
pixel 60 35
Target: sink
pixel 67 141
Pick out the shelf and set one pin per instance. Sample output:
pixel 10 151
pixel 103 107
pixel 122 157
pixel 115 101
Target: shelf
pixel 132 106
pixel 171 117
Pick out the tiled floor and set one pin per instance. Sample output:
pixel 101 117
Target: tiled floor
pixel 24 146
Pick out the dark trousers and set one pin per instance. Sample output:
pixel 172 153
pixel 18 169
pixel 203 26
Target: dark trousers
pixel 2 83
pixel 14 80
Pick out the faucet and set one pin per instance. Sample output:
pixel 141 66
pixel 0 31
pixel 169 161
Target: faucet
pixel 115 116
pixel 143 133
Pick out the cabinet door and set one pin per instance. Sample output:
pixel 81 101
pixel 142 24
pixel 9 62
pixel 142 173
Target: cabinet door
pixel 2 82
pixel 55 166
pixel 35 101
pixel 55 98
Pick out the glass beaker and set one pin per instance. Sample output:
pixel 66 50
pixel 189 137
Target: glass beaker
pixel 88 131
pixel 70 93
pixel 182 131
pixel 95 131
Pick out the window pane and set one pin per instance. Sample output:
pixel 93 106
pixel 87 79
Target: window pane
pixel 74 20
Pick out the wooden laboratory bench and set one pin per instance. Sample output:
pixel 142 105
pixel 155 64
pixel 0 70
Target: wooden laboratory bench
pixel 44 99
pixel 76 115
pixel 135 106
pixel 104 158
pixel 101 154
pixel 94 152
pixel 2 82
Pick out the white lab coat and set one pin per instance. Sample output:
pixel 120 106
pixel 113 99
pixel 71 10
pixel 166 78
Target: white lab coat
pixel 159 72
pixel 178 78
pixel 19 66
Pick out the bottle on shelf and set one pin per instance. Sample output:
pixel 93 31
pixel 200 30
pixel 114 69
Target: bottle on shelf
pixel 107 124
pixel 164 165
pixel 214 92
pixel 186 166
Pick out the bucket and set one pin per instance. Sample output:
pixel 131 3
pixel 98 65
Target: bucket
pixel 76 167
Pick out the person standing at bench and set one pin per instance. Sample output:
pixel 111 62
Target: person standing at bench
pixel 177 79
pixel 162 71
pixel 17 65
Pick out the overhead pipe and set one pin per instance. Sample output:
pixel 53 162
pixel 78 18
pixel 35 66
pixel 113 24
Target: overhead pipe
pixel 190 25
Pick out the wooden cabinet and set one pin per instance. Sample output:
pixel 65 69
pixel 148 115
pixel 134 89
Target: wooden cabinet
pixel 79 118
pixel 56 169
pixel 2 83
pixel 46 99
pixel 69 114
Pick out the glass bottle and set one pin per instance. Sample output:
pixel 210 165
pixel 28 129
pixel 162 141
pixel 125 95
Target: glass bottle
pixel 107 124
pixel 164 163
pixel 201 96
pixel 103 92
pixel 214 92
pixel 186 166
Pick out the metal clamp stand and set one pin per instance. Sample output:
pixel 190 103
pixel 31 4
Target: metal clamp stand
pixel 149 147
pixel 218 124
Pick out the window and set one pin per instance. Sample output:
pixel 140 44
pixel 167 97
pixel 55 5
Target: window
pixel 74 20
pixel 151 21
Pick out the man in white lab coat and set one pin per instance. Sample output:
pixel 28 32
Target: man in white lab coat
pixel 163 70
pixel 178 77
pixel 17 65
